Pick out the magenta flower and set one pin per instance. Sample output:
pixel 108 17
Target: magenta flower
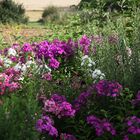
pixel 53 63
pixel 27 48
pixel 133 125
pixel 100 126
pixel 59 108
pixel 47 76
pixel 108 88
pixel 85 42
pixel 81 100
pixel 45 125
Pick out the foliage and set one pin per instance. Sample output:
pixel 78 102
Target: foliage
pixel 77 81
pixel 50 14
pixel 12 12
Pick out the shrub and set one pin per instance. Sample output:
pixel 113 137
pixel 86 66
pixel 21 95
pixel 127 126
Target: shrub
pixel 50 14
pixel 12 12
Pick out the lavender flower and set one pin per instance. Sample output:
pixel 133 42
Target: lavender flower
pixel 27 48
pixel 85 43
pixel 53 63
pixel 59 108
pixel 45 125
pixel 108 88
pixel 133 125
pixel 81 100
pixel 101 126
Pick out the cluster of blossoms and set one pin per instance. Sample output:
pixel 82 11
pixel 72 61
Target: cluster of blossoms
pixel 133 125
pixel 46 125
pixel 108 88
pixel 96 74
pixel 52 50
pixel 9 81
pixel 64 136
pixel 87 60
pixel 85 43
pixel 81 100
pixel 100 126
pixel 58 106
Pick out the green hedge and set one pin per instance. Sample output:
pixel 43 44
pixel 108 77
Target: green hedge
pixel 11 12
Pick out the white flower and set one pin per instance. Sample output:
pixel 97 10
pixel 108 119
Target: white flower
pixel 17 67
pixel 12 51
pixel 23 68
pixel 98 74
pixel 97 71
pixel 20 67
pixel 89 65
pixel 7 62
pixel 84 57
pixel 129 51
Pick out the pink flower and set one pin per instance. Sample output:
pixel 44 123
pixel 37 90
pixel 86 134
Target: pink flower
pixel 47 76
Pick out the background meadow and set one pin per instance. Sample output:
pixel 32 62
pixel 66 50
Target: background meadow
pixel 74 76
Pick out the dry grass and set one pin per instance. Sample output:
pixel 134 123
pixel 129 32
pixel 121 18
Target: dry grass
pixel 34 15
pixel 18 33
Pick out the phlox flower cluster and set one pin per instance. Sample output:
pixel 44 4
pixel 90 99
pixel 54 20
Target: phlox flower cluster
pixel 52 50
pixel 81 100
pixel 8 81
pixel 97 74
pixel 46 125
pixel 85 43
pixel 133 125
pixel 89 64
pixel 100 125
pixel 58 106
pixel 108 88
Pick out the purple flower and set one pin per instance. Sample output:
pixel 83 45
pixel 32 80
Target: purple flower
pixel 81 100
pixel 47 76
pixel 85 42
pixel 58 98
pixel 126 137
pixel 53 63
pixel 108 88
pixel 66 110
pixel 100 126
pixel 45 125
pixel 133 125
pixel 27 48
pixel 59 108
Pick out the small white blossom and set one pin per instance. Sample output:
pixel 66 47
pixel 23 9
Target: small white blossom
pixel 89 65
pixel 85 57
pixel 12 52
pixel 17 67
pixel 7 62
